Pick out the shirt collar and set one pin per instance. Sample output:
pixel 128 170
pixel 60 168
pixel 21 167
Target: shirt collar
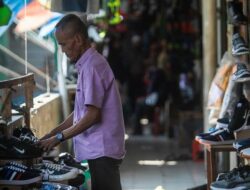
pixel 84 57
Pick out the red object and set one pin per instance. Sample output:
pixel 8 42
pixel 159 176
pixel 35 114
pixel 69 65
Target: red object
pixel 197 151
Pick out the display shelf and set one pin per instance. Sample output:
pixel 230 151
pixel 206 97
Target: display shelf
pixel 211 151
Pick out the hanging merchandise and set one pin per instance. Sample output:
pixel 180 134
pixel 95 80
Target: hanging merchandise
pixel 113 12
pixel 15 7
pixel 5 14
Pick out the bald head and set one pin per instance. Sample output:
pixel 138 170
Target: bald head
pixel 71 24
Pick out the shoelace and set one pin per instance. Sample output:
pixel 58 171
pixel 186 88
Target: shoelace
pixel 28 137
pixel 16 169
pixel 53 166
pixel 18 165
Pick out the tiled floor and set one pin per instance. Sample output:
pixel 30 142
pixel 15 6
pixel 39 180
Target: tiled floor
pixel 159 174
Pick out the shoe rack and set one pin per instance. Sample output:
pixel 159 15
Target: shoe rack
pixel 7 88
pixel 9 121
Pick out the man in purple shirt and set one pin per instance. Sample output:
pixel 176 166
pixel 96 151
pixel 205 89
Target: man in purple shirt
pixel 96 124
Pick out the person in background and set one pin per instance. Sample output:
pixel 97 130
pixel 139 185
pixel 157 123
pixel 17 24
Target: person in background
pixel 96 123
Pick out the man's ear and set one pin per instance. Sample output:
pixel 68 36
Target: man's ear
pixel 79 39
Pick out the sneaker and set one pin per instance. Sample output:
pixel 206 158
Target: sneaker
pixel 56 186
pixel 241 144
pixel 240 115
pixel 239 45
pixel 242 74
pixel 236 16
pixel 14 148
pixel 56 172
pixel 67 159
pixel 11 175
pixel 220 125
pixel 234 178
pixel 219 137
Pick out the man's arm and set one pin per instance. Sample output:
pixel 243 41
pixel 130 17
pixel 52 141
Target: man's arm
pixel 68 122
pixel 92 116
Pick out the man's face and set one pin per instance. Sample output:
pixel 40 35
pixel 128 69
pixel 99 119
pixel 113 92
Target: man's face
pixel 69 45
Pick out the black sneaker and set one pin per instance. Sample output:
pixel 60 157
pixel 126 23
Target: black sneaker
pixel 240 115
pixel 232 179
pixel 67 159
pixel 242 74
pixel 235 13
pixel 11 175
pixel 14 148
pixel 220 137
pixel 56 172
pixel 239 45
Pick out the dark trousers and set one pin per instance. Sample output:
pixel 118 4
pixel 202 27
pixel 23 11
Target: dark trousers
pixel 105 173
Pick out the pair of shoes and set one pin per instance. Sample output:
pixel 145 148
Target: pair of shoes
pixel 220 125
pixel 239 46
pixel 56 172
pixel 17 174
pixel 238 178
pixel 242 74
pixel 56 186
pixel 14 148
pixel 238 121
pixel 236 14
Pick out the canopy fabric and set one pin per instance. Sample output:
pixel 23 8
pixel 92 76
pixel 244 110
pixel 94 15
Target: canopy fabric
pixel 15 7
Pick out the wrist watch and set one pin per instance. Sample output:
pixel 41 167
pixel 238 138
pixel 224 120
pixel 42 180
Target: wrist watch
pixel 60 137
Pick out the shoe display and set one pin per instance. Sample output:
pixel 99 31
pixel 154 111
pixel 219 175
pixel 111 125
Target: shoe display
pixel 219 137
pixel 239 45
pixel 242 74
pixel 231 180
pixel 56 172
pixel 11 175
pixel 14 148
pixel 56 186
pixel 235 13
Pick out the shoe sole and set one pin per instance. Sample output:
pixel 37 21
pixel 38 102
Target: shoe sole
pixel 21 182
pixel 206 142
pixel 241 80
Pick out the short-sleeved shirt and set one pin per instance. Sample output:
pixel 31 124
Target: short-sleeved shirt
pixel 96 86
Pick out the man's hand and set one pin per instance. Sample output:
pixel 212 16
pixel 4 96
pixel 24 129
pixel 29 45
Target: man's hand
pixel 48 143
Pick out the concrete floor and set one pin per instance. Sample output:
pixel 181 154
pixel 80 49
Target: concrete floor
pixel 149 165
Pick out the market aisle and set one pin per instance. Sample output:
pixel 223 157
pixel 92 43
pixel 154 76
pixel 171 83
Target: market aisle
pixel 159 175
